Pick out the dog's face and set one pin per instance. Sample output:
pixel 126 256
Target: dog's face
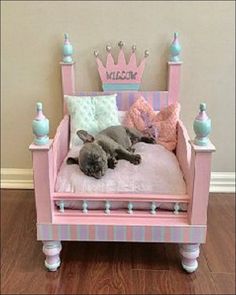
pixel 93 160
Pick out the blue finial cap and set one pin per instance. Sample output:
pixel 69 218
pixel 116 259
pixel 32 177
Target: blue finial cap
pixel 175 48
pixel 67 50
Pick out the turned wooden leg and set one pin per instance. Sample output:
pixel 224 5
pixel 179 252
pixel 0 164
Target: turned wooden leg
pixel 189 254
pixel 52 250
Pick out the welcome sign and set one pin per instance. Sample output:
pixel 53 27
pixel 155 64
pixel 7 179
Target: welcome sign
pixel 130 75
pixel 121 76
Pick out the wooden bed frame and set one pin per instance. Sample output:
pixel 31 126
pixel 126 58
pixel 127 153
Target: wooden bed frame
pixel 185 228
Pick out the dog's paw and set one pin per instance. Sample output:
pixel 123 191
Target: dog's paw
pixel 112 162
pixel 136 159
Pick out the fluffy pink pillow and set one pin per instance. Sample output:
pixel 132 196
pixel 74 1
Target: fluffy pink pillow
pixel 162 125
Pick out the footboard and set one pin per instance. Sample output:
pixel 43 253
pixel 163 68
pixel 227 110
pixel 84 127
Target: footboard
pixel 130 224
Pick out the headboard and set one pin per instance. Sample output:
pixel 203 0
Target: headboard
pixel 127 90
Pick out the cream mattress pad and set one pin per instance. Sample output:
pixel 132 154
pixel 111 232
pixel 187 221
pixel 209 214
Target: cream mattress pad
pixel 159 173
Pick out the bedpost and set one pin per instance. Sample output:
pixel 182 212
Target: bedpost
pixel 174 67
pixel 67 70
pixel 202 150
pixel 42 166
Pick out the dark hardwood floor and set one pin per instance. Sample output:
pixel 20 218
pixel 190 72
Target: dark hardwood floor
pixel 113 268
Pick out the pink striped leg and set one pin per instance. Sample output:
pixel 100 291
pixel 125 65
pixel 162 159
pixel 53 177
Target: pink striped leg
pixel 189 254
pixel 52 250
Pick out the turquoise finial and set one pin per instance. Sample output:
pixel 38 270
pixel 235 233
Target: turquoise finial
pixel 67 50
pixel 202 126
pixel 175 49
pixel 40 126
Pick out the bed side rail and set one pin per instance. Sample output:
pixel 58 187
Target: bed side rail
pixel 184 156
pixel 60 145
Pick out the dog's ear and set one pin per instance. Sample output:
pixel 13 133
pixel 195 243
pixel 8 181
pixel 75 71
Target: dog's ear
pixel 85 136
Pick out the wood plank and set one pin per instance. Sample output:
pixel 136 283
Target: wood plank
pixel 174 280
pixel 113 268
pixel 153 258
pixel 224 283
pixel 220 234
pixel 22 269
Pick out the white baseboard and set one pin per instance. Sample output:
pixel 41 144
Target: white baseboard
pixel 17 178
pixel 221 182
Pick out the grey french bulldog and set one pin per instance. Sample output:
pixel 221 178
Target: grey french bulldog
pixel 104 150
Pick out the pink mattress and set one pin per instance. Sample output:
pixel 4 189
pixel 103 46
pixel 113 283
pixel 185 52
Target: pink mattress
pixel 158 173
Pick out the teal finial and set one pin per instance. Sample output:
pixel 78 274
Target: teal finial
pixel 40 126
pixel 67 50
pixel 175 49
pixel 202 126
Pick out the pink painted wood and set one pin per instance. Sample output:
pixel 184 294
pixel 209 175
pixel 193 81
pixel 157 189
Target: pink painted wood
pixel 52 251
pixel 185 156
pixel 121 197
pixel 189 254
pixel 43 180
pixel 124 99
pixel 200 194
pixel 82 230
pixel 188 228
pixel 60 145
pixel 68 80
pixel 174 81
pixel 120 68
pixel 46 163
pixel 123 213
pixel 195 163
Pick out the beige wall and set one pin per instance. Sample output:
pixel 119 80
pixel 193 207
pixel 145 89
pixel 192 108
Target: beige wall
pixel 32 36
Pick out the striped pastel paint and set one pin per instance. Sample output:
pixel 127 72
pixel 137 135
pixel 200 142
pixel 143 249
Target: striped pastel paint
pixel 119 233
pixel 157 99
pixel 122 233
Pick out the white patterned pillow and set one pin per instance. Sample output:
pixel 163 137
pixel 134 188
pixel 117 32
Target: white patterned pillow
pixel 91 113
pixel 106 111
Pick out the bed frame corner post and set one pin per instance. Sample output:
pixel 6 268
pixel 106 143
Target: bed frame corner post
pixel 197 212
pixel 67 69
pixel 42 158
pixel 174 70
